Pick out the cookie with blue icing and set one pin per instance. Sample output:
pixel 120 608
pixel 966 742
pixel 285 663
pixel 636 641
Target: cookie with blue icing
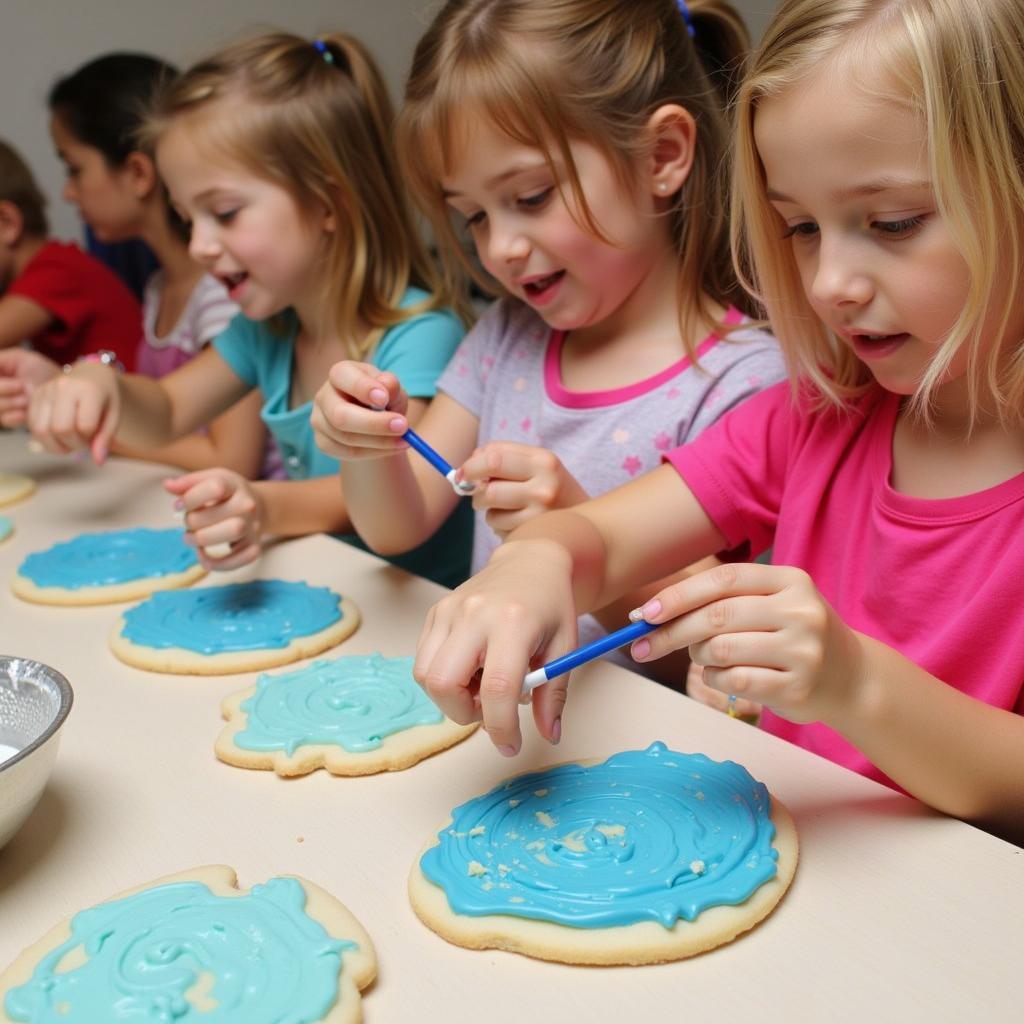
pixel 353 715
pixel 194 944
pixel 234 627
pixel 110 567
pixel 649 856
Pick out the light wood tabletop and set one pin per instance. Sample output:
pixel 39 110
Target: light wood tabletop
pixel 896 913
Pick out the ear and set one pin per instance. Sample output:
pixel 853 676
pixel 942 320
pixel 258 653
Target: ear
pixel 139 171
pixel 12 224
pixel 673 134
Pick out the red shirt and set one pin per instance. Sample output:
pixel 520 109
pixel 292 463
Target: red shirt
pixel 92 307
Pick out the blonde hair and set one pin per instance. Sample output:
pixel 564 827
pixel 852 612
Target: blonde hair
pixel 960 64
pixel 318 124
pixel 548 72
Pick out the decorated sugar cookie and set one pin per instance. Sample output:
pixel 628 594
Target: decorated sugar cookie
pixel 6 528
pixel 14 487
pixel 194 947
pixel 649 856
pixel 236 627
pixel 106 568
pixel 353 715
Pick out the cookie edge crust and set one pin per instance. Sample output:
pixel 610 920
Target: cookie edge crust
pixel 114 593
pixel 358 967
pixel 178 661
pixel 397 751
pixel 18 488
pixel 646 942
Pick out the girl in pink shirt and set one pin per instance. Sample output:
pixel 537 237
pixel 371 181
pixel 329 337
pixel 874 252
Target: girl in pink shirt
pixel 880 215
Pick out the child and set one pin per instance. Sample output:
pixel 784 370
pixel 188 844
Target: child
pixel 277 149
pixel 53 295
pixel 581 143
pixel 96 115
pixel 880 197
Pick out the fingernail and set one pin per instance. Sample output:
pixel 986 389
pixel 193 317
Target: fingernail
pixel 397 425
pixel 379 397
pixel 507 751
pixel 179 505
pixel 189 540
pixel 641 649
pixel 556 730
pixel 652 608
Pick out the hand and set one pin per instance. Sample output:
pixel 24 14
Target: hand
pixel 700 691
pixel 516 614
pixel 515 482
pixel 221 507
pixel 77 410
pixel 359 412
pixel 21 372
pixel 762 632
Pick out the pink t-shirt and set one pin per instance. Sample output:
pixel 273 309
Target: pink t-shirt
pixel 939 580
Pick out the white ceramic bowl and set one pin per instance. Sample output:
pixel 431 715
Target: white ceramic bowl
pixel 34 701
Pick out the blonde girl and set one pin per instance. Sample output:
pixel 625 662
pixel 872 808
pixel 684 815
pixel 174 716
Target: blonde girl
pixel 880 217
pixel 581 144
pixel 277 151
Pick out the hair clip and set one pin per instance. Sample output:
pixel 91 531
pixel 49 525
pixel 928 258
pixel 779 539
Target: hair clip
pixel 322 48
pixel 687 17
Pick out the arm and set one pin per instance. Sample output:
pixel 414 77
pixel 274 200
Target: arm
pixel 236 440
pixel 521 609
pixel 21 320
pixel 93 404
pixel 350 425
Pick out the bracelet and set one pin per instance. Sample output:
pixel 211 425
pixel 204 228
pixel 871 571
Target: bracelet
pixel 103 356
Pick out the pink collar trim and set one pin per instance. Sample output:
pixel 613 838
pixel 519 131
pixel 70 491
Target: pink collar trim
pixel 561 395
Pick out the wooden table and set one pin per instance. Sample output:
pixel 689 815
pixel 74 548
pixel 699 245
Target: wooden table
pixel 896 913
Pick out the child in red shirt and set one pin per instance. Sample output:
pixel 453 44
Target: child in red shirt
pixel 53 295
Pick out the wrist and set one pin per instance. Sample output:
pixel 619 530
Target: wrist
pixel 104 357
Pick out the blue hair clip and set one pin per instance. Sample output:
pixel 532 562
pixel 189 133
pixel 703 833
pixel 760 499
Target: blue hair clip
pixel 685 12
pixel 324 52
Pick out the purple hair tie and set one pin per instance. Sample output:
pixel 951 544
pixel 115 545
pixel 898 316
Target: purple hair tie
pixel 322 49
pixel 685 12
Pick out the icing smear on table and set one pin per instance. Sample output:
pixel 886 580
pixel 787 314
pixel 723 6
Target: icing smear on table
pixel 236 617
pixel 180 952
pixel 648 835
pixel 352 702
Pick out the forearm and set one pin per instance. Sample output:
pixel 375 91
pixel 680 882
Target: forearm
pixel 295 508
pixel 146 419
pixel 392 506
pixel 949 750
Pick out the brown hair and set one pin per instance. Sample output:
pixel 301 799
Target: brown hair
pixel 317 122
pixel 17 186
pixel 547 72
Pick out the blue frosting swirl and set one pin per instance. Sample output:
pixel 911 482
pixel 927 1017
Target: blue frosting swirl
pixel 105 559
pixel 236 617
pixel 265 961
pixel 351 702
pixel 649 835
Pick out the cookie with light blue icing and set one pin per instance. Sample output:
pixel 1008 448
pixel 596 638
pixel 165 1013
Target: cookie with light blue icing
pixel 234 627
pixel 353 715
pixel 107 568
pixel 649 856
pixel 193 947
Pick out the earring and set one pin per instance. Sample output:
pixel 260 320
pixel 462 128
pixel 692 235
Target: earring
pixel 662 186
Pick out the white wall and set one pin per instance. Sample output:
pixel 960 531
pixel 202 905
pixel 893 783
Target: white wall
pixel 42 40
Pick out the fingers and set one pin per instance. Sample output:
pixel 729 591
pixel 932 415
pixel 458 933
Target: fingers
pixel 700 691
pixel 66 414
pixel 346 429
pixel 769 685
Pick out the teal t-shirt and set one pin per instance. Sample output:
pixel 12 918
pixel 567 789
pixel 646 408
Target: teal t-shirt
pixel 415 351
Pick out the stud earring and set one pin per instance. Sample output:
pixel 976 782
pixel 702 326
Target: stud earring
pixel 662 186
